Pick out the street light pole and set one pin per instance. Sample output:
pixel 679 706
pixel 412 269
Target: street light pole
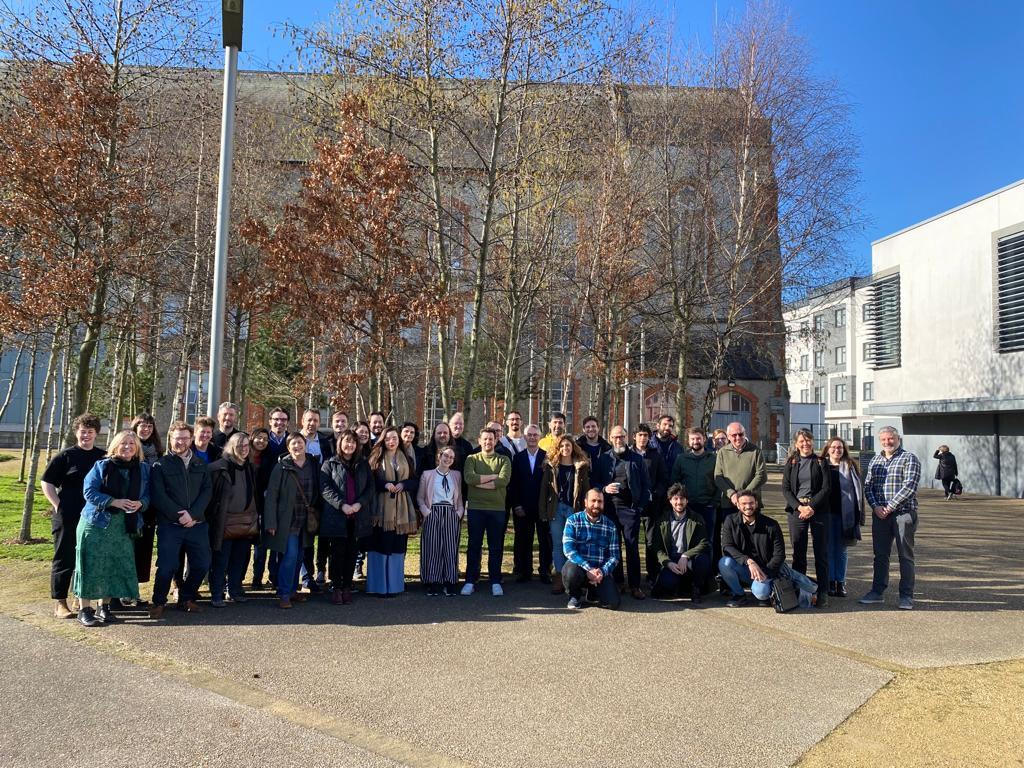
pixel 232 27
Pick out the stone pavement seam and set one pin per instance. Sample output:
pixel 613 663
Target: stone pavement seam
pixel 399 751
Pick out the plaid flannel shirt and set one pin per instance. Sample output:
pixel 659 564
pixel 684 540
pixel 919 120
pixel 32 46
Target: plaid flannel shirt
pixel 892 482
pixel 591 544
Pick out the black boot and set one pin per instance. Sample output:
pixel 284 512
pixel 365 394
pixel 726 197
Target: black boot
pixel 87 616
pixel 840 589
pixel 831 588
pixel 106 615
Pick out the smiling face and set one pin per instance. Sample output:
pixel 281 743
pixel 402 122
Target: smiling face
pixel 836 451
pixel 363 433
pixel 391 439
pixel 408 435
pixel 618 438
pixel 86 437
pixel 641 440
pixel 180 440
pixel 442 435
pixel 487 442
pixel 457 424
pixel 260 441
pixel 737 435
pixel 889 440
pixel 532 436
pixel 297 448
pixel 696 442
pixel 310 423
pixel 243 448
pixel 665 426
pixel 376 424
pixel 565 450
pixel 591 429
pixel 278 422
pixel 144 430
pixel 348 446
pixel 514 422
pixel 445 459
pixel 339 423
pixel 126 450
pixel 227 418
pixel 557 426
pixel 804 445
pixel 203 437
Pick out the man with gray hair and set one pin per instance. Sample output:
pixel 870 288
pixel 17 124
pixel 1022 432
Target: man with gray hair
pixel 227 423
pixel 890 487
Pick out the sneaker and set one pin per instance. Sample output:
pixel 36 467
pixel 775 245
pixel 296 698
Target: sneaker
pixel 871 598
pixel 736 601
pixel 496 590
pixel 467 589
pixel 574 604
pixel 906 604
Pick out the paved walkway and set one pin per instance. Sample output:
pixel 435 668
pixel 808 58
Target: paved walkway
pixel 513 681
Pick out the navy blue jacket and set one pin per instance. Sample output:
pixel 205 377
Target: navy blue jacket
pixel 524 486
pixel 636 474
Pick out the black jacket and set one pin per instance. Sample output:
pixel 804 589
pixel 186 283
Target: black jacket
pixel 176 487
pixel 593 453
pixel 333 478
pixel 223 473
pixel 524 486
pixel 657 474
pixel 821 484
pixel 764 544
pixel 636 472
pixel 947 469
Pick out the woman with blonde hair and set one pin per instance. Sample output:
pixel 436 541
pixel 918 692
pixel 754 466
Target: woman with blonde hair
pixel 847 505
pixel 116 492
pixel 394 515
pixel 563 489
pixel 233 519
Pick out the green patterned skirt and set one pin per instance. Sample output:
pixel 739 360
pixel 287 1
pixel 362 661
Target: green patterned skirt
pixel 104 561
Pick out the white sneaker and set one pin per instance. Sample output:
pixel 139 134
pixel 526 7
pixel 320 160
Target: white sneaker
pixel 574 604
pixel 496 590
pixel 467 589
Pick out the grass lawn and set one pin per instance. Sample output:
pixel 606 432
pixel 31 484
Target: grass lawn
pixel 12 499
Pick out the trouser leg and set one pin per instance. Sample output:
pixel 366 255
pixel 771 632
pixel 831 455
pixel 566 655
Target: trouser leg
pixel 522 544
pixel 818 525
pixel 497 524
pixel 63 565
pixel 197 548
pixel 906 527
pixel 798 538
pixel 476 525
pixel 882 534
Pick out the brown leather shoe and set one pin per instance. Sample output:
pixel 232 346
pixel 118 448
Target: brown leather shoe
pixel 284 603
pixel 190 606
pixel 557 588
pixel 300 597
pixel 637 593
pixel 346 597
pixel 156 612
pixel 61 610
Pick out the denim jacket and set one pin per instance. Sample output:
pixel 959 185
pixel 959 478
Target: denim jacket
pixel 97 504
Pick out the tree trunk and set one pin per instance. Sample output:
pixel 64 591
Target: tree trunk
pixel 25 535
pixel 30 396
pixel 14 377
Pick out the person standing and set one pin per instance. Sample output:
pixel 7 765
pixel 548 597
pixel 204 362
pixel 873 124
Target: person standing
pixel 144 427
pixel 394 515
pixel 259 457
pixel 62 485
pixel 591 441
pixel 339 423
pixel 563 493
pixel 440 438
pixel 890 487
pixel 457 425
pixel 622 475
pixel 227 423
pixel 181 491
pixel 293 497
pixel 657 476
pixel 666 442
pixel 410 434
pixel 524 493
pixel 376 422
pixel 440 502
pixel 807 488
pixel 317 448
pixel 348 491
pixel 846 515
pixel 515 440
pixel 946 471
pixel 233 519
pixel 695 470
pixel 203 446
pixel 739 466
pixel 487 476
pixel 116 493
pixel 590 542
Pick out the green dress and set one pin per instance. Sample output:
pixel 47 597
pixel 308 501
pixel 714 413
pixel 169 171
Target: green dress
pixel 105 561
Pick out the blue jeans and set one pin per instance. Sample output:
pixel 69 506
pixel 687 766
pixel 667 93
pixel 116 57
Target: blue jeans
pixel 493 522
pixel 171 540
pixel 737 576
pixel 288 567
pixel 230 564
pixel 557 524
pixel 837 554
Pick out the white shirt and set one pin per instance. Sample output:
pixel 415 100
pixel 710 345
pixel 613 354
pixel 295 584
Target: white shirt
pixel 533 460
pixel 514 444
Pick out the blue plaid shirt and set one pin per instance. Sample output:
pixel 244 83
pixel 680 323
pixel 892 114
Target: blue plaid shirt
pixel 892 482
pixel 591 544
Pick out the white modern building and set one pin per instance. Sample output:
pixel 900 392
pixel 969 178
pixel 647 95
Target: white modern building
pixel 948 328
pixel 828 356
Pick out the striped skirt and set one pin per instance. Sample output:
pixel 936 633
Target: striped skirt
pixel 439 546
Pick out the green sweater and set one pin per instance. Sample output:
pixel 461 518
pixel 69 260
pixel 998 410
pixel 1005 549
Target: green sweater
pixel 742 470
pixel 697 473
pixel 482 498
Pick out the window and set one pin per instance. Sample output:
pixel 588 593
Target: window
pixel 819 322
pixel 840 393
pixel 841 355
pixel 555 402
pixel 885 323
pixel 805 326
pixel 433 413
pixel 733 402
pixel 804 362
pixel 866 312
pixel 819 359
pixel 869 391
pixel 1010 293
pixel 844 431
pixel 840 317
pixel 868 352
pixel 805 395
pixel 819 394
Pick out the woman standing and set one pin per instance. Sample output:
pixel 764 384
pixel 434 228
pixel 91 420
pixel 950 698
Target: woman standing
pixel 260 458
pixel 349 492
pixel 946 471
pixel 563 489
pixel 394 515
pixel 363 434
pixel 847 516
pixel 145 429
pixel 293 497
pixel 411 445
pixel 440 502
pixel 116 492
pixel 806 486
pixel 232 518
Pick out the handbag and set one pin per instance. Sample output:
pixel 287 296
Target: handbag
pixel 956 487
pixel 785 595
pixel 242 525
pixel 312 514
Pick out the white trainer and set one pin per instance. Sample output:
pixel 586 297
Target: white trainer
pixel 467 589
pixel 574 604
pixel 496 590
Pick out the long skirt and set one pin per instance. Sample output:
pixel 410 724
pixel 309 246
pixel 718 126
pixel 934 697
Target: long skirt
pixel 104 562
pixel 439 546
pixel 385 562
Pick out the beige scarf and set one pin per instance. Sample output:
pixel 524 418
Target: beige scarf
pixel 395 512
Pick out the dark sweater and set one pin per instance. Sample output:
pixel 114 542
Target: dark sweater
pixel 763 544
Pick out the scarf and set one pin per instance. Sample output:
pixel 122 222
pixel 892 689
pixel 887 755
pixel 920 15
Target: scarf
pixel 116 485
pixel 394 512
pixel 848 494
pixel 231 469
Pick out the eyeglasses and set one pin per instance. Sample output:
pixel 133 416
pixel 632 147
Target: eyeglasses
pixel 737 434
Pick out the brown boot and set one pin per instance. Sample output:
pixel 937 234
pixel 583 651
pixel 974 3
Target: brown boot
pixel 61 610
pixel 557 588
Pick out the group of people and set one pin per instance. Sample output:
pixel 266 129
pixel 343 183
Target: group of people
pixel 310 510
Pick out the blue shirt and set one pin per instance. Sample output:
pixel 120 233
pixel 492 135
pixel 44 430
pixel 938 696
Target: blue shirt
pixel 892 482
pixel 591 544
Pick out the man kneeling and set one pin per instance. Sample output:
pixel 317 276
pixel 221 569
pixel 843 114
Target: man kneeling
pixel 591 545
pixel 754 551
pixel 680 541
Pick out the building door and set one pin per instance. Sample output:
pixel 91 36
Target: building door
pixel 731 406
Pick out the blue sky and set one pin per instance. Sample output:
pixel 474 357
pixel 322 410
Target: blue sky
pixel 935 87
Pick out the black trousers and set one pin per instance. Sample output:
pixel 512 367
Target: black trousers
pixel 575 580
pixel 525 528
pixel 651 552
pixel 627 520
pixel 340 554
pixel 946 484
pixel 670 584
pixel 322 551
pixel 65 529
pixel 817 525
